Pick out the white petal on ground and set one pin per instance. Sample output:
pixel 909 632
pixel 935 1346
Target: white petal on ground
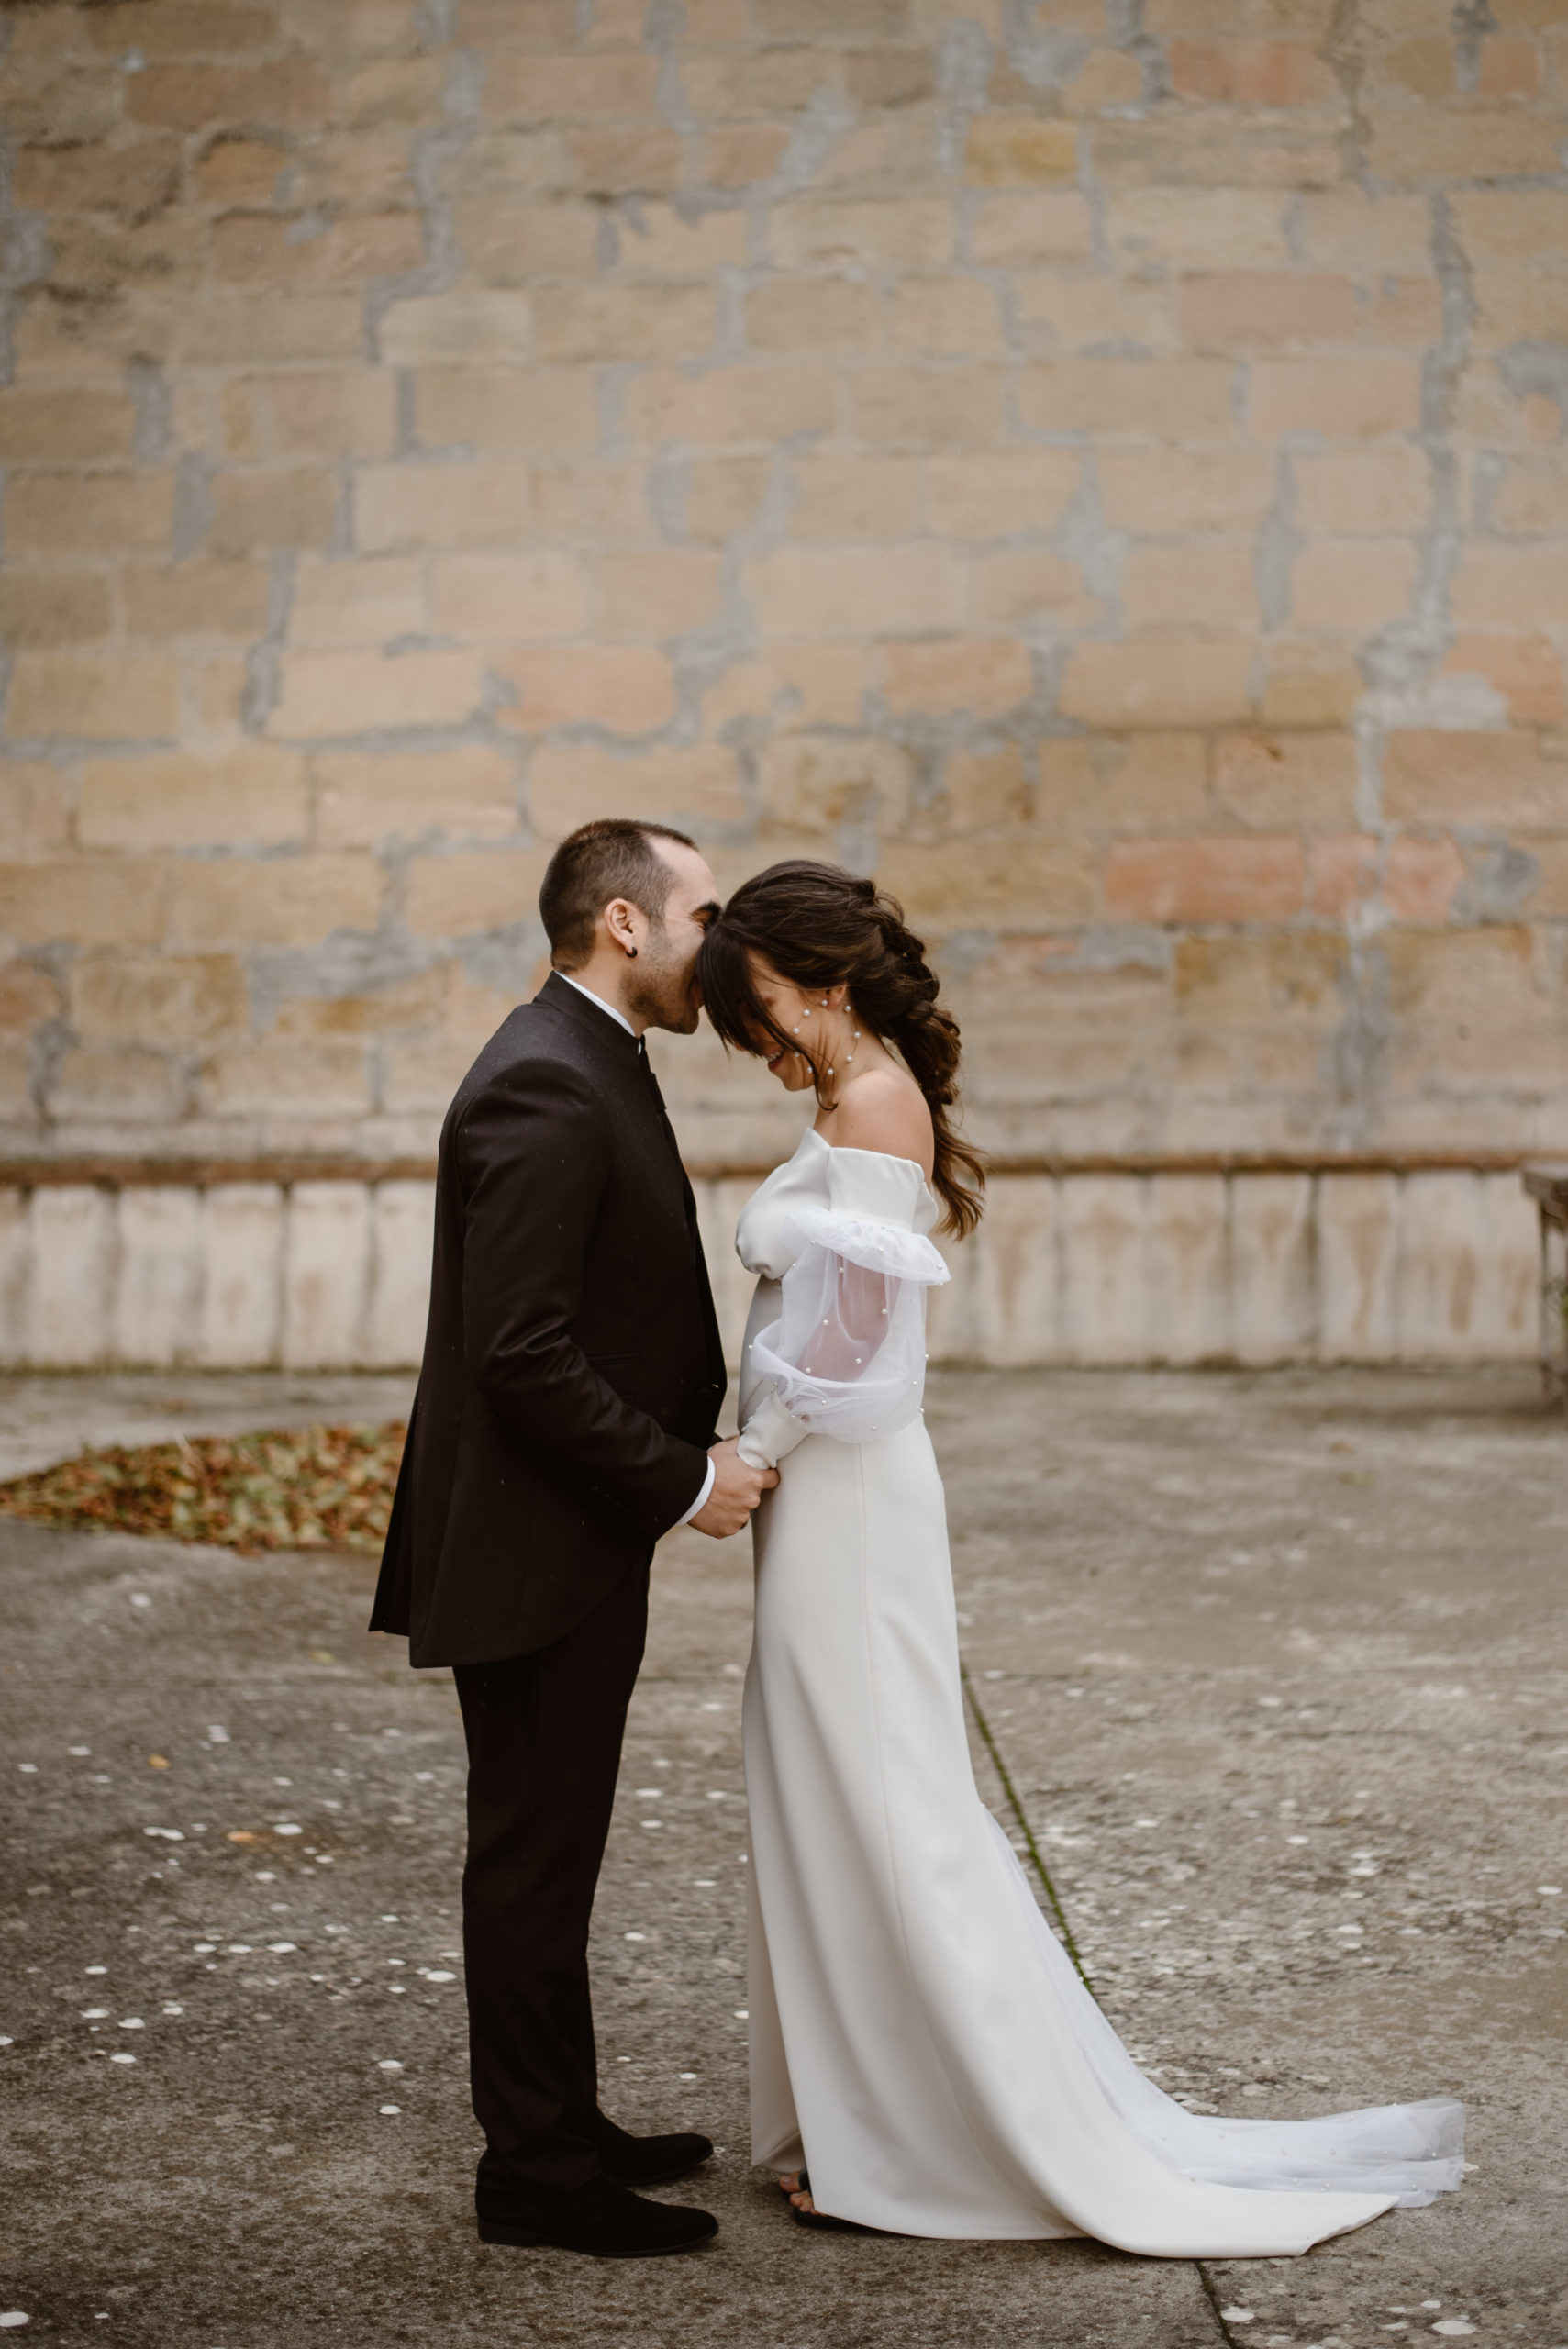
pixel 1238 2316
pixel 15 2316
pixel 122 2059
pixel 132 2023
pixel 389 2063
pixel 281 1949
pixel 286 1827
pixel 389 2108
pixel 1454 2324
pixel 440 1977
pixel 636 1937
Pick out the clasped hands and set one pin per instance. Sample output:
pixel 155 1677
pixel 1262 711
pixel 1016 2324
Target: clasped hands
pixel 736 1490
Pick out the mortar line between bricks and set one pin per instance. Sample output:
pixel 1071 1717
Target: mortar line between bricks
pixel 1210 2290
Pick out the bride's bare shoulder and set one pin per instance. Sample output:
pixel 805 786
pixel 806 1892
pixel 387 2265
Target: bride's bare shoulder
pixel 884 1110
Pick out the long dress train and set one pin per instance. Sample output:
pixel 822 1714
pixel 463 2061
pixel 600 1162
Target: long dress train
pixel 918 2036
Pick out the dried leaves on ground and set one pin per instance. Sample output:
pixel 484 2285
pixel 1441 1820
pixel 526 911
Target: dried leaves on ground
pixel 306 1489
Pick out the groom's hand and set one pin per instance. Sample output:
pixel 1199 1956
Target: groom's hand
pixel 736 1490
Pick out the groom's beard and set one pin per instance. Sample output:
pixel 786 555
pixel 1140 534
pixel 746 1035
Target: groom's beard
pixel 662 990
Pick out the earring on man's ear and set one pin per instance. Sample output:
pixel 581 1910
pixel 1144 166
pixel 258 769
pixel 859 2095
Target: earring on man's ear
pixel 631 953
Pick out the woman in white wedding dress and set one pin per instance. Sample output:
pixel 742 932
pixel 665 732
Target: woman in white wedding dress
pixel 920 2039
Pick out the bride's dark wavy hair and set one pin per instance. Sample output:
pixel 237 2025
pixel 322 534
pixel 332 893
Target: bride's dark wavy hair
pixel 818 926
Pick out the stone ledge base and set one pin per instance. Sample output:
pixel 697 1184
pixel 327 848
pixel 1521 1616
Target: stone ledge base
pixel 1068 1268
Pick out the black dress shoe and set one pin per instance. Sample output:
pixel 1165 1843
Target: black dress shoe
pixel 648 2160
pixel 600 2220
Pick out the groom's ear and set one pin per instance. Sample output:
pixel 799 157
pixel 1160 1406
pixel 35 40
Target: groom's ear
pixel 624 923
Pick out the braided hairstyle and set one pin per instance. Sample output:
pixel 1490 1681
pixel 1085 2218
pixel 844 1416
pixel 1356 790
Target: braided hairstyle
pixel 817 926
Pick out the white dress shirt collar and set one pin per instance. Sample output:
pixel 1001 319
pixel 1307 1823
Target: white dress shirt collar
pixel 619 1017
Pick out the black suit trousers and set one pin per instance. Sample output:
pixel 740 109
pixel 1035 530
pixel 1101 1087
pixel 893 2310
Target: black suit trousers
pixel 544 1737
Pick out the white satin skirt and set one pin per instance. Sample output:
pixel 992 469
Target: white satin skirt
pixel 918 2037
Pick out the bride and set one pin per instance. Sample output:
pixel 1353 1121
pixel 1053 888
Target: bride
pixel 924 2058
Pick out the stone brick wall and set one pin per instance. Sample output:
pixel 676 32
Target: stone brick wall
pixel 1099 465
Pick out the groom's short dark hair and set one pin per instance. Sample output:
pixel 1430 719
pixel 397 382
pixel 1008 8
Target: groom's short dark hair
pixel 612 857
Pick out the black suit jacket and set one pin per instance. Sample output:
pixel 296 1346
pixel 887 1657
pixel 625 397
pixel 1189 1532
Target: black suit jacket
pixel 572 1371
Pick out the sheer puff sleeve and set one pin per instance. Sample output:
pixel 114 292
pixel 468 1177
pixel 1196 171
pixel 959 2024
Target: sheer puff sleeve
pixel 847 1355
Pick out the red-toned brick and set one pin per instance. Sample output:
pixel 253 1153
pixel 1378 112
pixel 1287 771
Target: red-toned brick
pixel 1203 880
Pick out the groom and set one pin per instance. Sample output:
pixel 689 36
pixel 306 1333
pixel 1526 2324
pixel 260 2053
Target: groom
pixel 565 1421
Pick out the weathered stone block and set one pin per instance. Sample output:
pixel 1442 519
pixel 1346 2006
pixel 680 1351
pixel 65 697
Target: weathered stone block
pixel 1187 1268
pixel 93 696
pixel 327 1269
pixel 1273 1279
pixel 552 411
pixel 1345 586
pixel 457 896
pixel 1293 980
pixel 1347 398
pixel 1160 681
pixel 412 506
pixel 88 514
pixel 64 426
pixel 84 901
pixel 196 599
pixel 818 783
pixel 1440 777
pixel 568 782
pixel 67 1318
pixel 1159 398
pixel 1104 1292
pixel 858 591
pixel 793 314
pixel 1004 1302
pixel 731 406
pixel 1357 1222
pixel 326 695
pixel 48 608
pixel 624 322
pixel 161 998
pixel 251 795
pixel 33 820
pixel 1166 585
pixel 289 901
pixel 1271 781
pixel 1021 151
pixel 1142 784
pixel 982 675
pixel 160 1276
pixel 1512 586
pixel 96 1087
pixel 998 494
pixel 659 594
pixel 403 1219
pixel 241 1300
pixel 363 601
pixel 365 797
pixel 496 598
pixel 1011 884
pixel 1466 1286
pixel 627 689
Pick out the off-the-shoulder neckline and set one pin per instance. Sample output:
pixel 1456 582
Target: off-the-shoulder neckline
pixel 842 1149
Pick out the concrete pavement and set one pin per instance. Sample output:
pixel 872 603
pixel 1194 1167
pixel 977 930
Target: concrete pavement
pixel 1274 1665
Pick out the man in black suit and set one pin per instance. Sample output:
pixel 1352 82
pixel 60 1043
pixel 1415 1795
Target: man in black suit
pixel 564 1420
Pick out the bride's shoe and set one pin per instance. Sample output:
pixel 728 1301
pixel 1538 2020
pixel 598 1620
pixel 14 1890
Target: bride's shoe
pixel 821 2219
